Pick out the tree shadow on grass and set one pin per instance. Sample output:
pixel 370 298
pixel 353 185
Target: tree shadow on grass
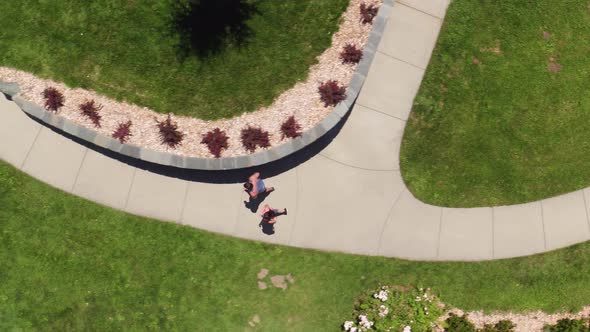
pixel 206 27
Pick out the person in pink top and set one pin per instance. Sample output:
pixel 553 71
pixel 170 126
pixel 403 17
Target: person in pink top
pixel 269 215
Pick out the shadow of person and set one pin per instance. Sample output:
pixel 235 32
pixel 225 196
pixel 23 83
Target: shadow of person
pixel 268 229
pixel 254 203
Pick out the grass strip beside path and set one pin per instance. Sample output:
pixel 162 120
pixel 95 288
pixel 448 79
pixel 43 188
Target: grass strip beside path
pixel 127 50
pixel 503 113
pixel 70 264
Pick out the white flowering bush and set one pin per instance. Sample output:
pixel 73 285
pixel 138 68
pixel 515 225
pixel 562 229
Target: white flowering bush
pixel 395 309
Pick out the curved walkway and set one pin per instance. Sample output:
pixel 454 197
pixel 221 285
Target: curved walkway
pixel 348 198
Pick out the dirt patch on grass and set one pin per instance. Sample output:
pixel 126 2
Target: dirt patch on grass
pixel 254 321
pixel 263 273
pixel 495 49
pixel 554 66
pixel 279 281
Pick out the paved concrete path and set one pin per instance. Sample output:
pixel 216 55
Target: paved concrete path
pixel 348 198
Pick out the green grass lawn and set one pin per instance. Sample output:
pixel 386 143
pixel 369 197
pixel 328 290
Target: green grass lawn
pixel 69 264
pixel 492 124
pixel 125 49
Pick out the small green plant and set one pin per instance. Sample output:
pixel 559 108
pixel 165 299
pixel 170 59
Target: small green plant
pixel 331 93
pixel 568 325
pixel 395 309
pixel 91 110
pixel 123 131
pixel 253 137
pixel 457 323
pixel 290 128
pixel 54 100
pixel 368 13
pixel 216 141
pixel 351 54
pixel 169 133
pixel 501 326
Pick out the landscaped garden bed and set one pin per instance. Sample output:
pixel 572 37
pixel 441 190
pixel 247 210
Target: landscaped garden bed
pixel 294 111
pixel 503 114
pixel 418 309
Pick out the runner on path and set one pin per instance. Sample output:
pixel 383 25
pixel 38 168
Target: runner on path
pixel 256 186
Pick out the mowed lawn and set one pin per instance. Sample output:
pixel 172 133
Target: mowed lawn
pixel 69 264
pixel 503 113
pixel 129 50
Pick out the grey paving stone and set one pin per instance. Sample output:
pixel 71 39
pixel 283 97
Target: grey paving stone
pixel 130 150
pixel 410 35
pixel 55 120
pixel 369 139
pixel 379 24
pixel 177 161
pixel 104 180
pixel 156 196
pixel 54 159
pixel 342 109
pixel 213 207
pixel 285 196
pixel 70 127
pixel 157 157
pixel 259 158
pixel 243 162
pixel 412 230
pixel 518 230
pixel 330 122
pixel 397 96
pixel 228 163
pixel 436 8
pixel 282 150
pixel 30 108
pixel 196 163
pixel 9 88
pixel 113 144
pixel 104 141
pixel 355 86
pixel 565 220
pixel 214 164
pixel 312 134
pixel 466 234
pixel 364 65
pixel 298 143
pixel 353 208
pixel 87 134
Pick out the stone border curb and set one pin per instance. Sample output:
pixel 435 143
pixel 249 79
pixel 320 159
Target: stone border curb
pixel 224 163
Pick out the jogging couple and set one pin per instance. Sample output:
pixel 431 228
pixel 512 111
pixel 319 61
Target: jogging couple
pixel 257 191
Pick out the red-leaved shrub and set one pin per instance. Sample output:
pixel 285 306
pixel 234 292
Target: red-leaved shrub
pixel 169 133
pixel 368 13
pixel 331 93
pixel 90 110
pixel 252 137
pixel 351 54
pixel 216 140
pixel 54 99
pixel 290 128
pixel 123 131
